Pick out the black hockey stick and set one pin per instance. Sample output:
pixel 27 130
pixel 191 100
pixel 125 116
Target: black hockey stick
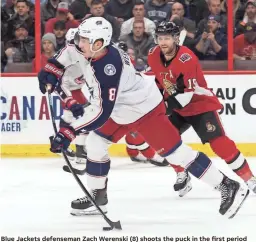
pixel 77 171
pixel 113 225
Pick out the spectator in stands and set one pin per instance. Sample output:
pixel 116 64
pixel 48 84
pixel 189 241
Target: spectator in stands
pixel 249 17
pixel 48 49
pixel 189 25
pixel 121 9
pixel 80 8
pixel 4 25
pixel 184 39
pixel 9 7
pixel 238 10
pixel 22 15
pixel 59 31
pixel 140 42
pixel 97 10
pixel 214 9
pixel 212 45
pixel 138 14
pixel 196 10
pixel 245 44
pixel 22 48
pixel 62 14
pixel 48 10
pixel 157 10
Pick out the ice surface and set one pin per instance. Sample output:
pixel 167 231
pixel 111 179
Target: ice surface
pixel 35 196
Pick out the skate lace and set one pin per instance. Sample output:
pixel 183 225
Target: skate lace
pixel 224 192
pixel 86 199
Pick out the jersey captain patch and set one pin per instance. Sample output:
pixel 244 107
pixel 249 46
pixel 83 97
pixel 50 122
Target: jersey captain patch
pixel 110 70
pixel 185 57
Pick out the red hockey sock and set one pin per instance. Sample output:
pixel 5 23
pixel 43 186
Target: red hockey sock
pixel 132 152
pixel 148 152
pixel 177 168
pixel 226 149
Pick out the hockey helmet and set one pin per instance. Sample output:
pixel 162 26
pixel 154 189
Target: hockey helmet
pixel 167 28
pixel 94 29
pixel 71 34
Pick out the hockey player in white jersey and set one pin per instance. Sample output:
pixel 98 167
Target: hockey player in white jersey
pixel 123 101
pixel 70 88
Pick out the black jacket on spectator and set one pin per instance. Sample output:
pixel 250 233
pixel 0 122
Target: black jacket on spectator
pixel 4 25
pixel 115 26
pixel 202 26
pixel 157 13
pixel 116 9
pixel 221 39
pixel 47 11
pixel 24 49
pixel 196 10
pixel 8 9
pixel 29 21
pixel 79 9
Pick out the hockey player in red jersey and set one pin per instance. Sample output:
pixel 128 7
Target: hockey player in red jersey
pixel 190 101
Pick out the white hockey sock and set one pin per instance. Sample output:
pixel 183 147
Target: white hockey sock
pixel 81 139
pixel 197 163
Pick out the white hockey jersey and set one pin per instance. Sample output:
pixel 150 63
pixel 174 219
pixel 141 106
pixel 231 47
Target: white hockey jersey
pixel 117 90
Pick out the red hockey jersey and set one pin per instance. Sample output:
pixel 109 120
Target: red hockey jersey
pixel 197 97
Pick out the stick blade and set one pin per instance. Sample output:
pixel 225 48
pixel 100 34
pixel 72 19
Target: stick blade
pixel 113 225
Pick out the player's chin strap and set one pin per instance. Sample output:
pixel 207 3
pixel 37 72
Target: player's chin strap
pixel 113 225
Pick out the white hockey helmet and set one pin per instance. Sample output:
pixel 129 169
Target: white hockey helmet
pixel 96 28
pixel 71 34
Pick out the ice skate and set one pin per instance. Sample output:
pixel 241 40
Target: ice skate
pixel 251 183
pixel 233 195
pixel 158 163
pixel 83 206
pixel 183 183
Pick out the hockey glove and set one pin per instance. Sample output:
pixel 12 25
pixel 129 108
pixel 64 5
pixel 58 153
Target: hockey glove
pixel 62 139
pixel 49 75
pixel 76 108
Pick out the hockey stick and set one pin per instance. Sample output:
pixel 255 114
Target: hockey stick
pixel 113 225
pixel 77 171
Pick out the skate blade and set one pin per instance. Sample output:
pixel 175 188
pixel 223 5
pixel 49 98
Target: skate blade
pixel 240 197
pixel 88 212
pixel 185 190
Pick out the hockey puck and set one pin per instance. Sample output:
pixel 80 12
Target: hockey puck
pixel 107 228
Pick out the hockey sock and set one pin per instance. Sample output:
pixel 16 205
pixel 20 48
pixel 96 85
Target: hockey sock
pixel 97 172
pixel 226 149
pixel 203 169
pixel 197 163
pixel 81 139
pixel 177 168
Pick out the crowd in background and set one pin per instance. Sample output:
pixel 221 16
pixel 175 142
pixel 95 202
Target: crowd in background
pixel 203 25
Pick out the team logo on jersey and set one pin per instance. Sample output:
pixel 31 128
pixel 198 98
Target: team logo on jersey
pixel 210 127
pixel 185 57
pixel 80 80
pixel 110 70
pixel 168 85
